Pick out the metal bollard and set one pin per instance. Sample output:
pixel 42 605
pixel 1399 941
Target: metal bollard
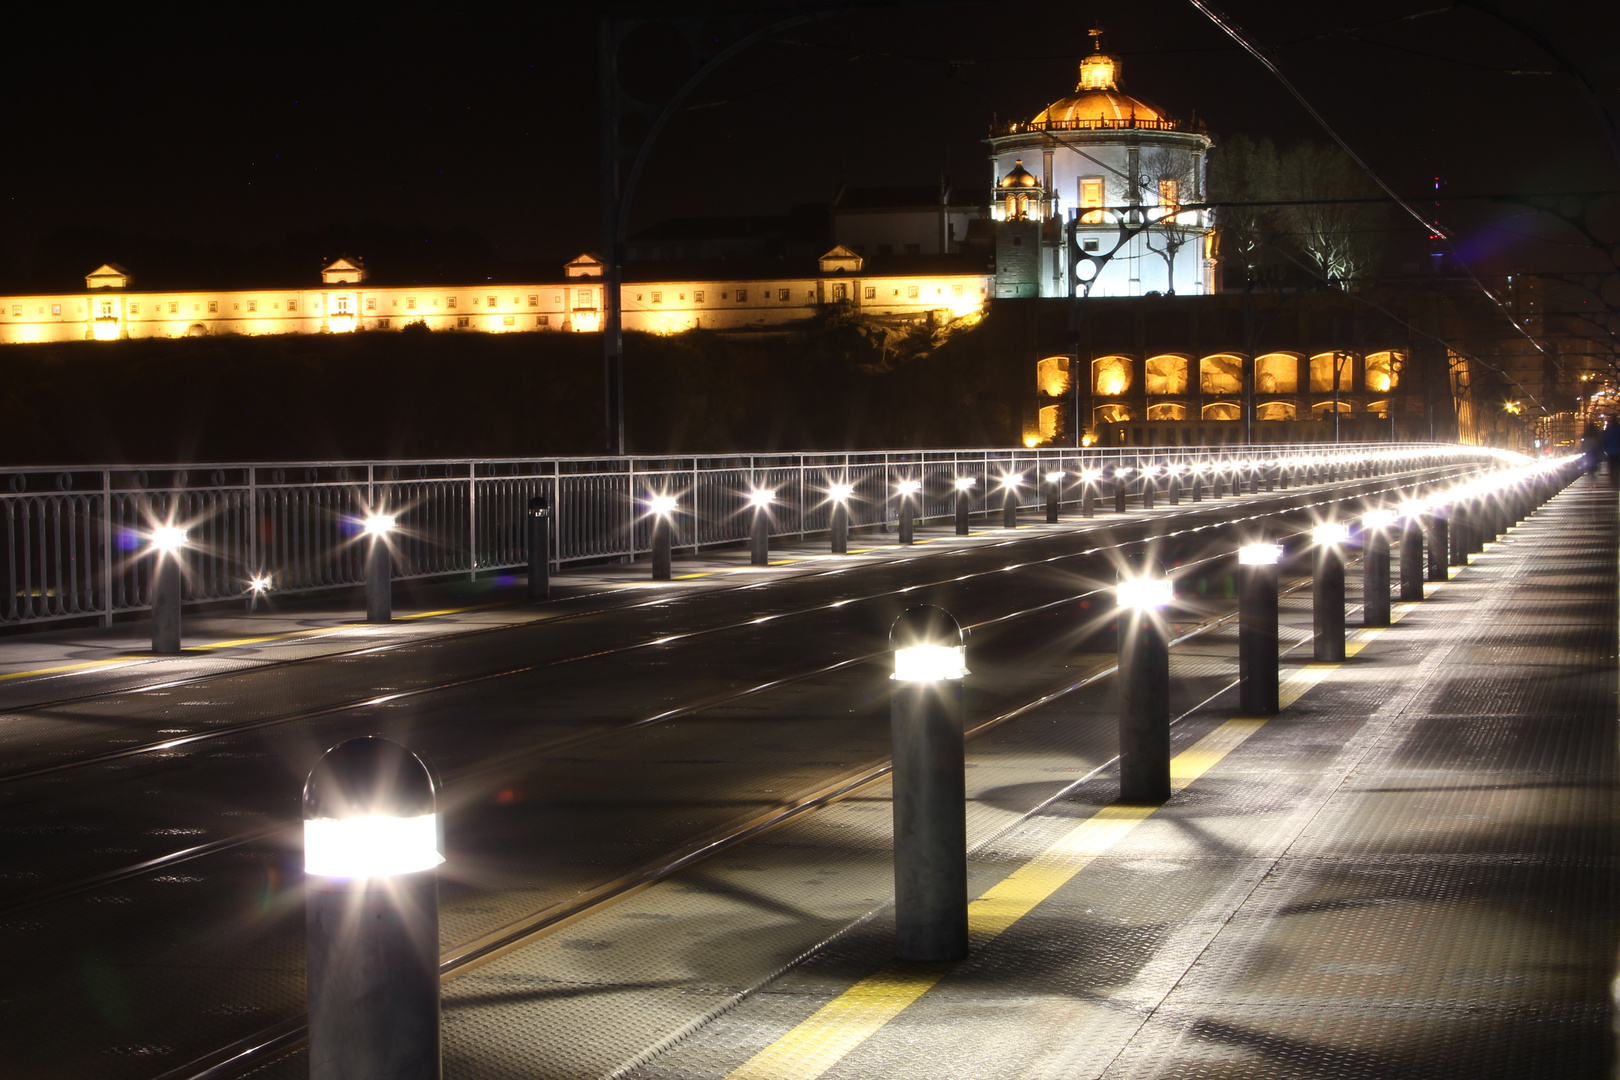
pixel 379 569
pixel 964 503
pixel 663 509
pixel 759 529
pixel 1218 486
pixel 1198 487
pixel 838 519
pixel 539 548
pixel 1327 592
pixel 168 580
pixel 1258 675
pixel 930 788
pixel 1150 487
pixel 1009 502
pixel 1271 481
pixel 1088 497
pixel 1458 551
pixel 1173 489
pixel 1282 479
pixel 1144 682
pixel 371 903
pixel 1375 526
pixel 908 513
pixel 1439 542
pixel 1054 492
pixel 1412 560
pixel 1121 491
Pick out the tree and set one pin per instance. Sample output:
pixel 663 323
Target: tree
pixel 1245 170
pixel 1338 238
pixel 1168 177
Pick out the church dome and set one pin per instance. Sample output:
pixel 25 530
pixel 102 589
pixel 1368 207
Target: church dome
pixel 1098 103
pixel 1019 177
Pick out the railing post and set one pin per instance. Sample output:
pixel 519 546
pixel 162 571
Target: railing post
pixel 472 521
pixel 106 548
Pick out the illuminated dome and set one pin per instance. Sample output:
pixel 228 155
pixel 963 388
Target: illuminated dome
pixel 1019 177
pixel 1098 103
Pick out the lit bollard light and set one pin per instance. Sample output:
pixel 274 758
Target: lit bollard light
pixel 1271 479
pixel 1144 682
pixel 1375 526
pixel 1254 470
pixel 258 585
pixel 759 528
pixel 1054 493
pixel 908 490
pixel 371 911
pixel 1172 487
pixel 838 526
pixel 964 503
pixel 539 548
pixel 168 579
pixel 1282 477
pixel 379 568
pixel 1122 488
pixel 1327 591
pixel 1258 676
pixel 1150 486
pixel 1088 492
pixel 1217 489
pixel 1479 525
pixel 1439 544
pixel 1411 554
pixel 1009 501
pixel 930 789
pixel 1457 551
pixel 1198 482
pixel 662 508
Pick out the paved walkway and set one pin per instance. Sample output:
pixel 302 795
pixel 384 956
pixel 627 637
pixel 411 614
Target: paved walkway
pixel 1408 872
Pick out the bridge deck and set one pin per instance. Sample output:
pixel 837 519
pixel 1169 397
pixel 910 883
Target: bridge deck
pixel 1409 872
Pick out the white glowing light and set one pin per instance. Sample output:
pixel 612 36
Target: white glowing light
pixel 1201 467
pixel 761 497
pixel 1010 480
pixel 930 663
pixel 168 537
pixel 963 483
pixel 1330 532
pixel 1055 477
pixel 1411 508
pixel 1378 519
pixel 260 583
pixel 841 492
pixel 910 487
pixel 375 846
pixel 1176 468
pixel 380 524
pixel 1090 474
pixel 663 504
pixel 1260 554
pixel 1145 594
pixel 1126 471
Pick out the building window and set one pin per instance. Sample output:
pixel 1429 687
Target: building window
pixel 463 321
pixel 491 301
pixel 509 320
pixel 174 307
pixel 371 303
pixel 410 303
pixel 742 296
pixel 292 305
pixel 213 305
pixel 911 292
pixel 1169 192
pixel 871 292
pixel 134 309
pixel 585 297
pixel 542 320
pixel 840 291
pixel 534 301
pixel 556 298
pixel 106 307
pixel 1089 243
pixel 783 294
pixel 638 296
pixel 450 302
pixel 956 290
pixel 382 324
pixel 1091 194
pixel 698 296
pixel 658 298
pixel 253 305
pixel 56 309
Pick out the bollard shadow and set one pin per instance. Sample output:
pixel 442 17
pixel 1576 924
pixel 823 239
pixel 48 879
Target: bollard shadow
pixel 554 990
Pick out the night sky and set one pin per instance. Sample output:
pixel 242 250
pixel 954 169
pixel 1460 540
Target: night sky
pixel 260 136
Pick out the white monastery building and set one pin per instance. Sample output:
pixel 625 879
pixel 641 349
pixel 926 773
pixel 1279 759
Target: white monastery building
pixel 1115 169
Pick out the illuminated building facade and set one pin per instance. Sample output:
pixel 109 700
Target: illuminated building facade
pixel 1107 158
pixel 111 307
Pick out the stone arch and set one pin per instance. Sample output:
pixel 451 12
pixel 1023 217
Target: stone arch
pixel 1322 372
pixel 1165 374
pixel 1382 371
pixel 1276 410
pixel 1276 373
pixel 1110 375
pixel 196 329
pixel 1167 411
pixel 1223 410
pixel 1111 414
pixel 1052 375
pixel 1221 373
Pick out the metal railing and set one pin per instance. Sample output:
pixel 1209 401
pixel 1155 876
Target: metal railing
pixel 74 543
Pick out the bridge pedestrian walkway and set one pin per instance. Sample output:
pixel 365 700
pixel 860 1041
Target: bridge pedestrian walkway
pixel 1408 872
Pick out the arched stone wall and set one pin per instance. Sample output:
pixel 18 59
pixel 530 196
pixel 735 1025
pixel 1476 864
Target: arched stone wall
pixel 1111 375
pixel 1166 375
pixel 1276 373
pixel 1221 373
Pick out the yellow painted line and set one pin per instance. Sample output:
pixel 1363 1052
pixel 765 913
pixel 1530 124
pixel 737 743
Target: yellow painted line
pixel 844 1023
pixel 80 666
pixel 857 1014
